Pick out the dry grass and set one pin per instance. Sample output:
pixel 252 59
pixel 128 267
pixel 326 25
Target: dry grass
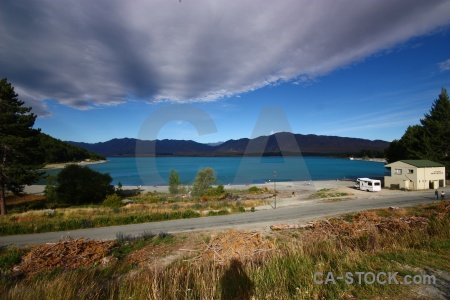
pixel 148 207
pixel 26 198
pixel 352 243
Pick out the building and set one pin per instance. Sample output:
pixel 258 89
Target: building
pixel 414 175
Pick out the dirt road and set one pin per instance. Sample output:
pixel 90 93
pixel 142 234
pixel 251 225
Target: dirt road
pixel 261 220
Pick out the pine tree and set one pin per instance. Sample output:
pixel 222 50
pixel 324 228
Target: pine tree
pixel 19 159
pixel 437 126
pixel 431 140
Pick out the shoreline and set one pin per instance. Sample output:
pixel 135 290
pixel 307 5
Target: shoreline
pixel 80 163
pixel 287 193
pixel 281 186
pixel 383 160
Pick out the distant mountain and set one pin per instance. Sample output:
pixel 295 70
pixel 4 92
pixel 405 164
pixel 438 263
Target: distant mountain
pixel 268 145
pixel 130 147
pixel 308 144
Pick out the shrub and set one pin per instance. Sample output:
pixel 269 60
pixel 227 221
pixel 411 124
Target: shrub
pixel 182 190
pixel 119 190
pixel 82 185
pixel 254 189
pixel 223 212
pixel 217 191
pixel 113 201
pixel 50 189
pixel 174 181
pixel 205 178
pixel 220 189
pixel 189 214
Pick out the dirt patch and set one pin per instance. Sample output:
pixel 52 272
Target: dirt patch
pixel 160 255
pixel 235 245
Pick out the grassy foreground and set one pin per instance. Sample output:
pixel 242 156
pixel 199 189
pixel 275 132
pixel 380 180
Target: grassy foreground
pixel 409 241
pixel 29 214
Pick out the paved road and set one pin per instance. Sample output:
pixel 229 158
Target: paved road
pixel 289 214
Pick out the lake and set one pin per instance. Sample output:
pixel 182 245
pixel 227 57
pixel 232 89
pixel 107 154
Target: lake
pixel 235 170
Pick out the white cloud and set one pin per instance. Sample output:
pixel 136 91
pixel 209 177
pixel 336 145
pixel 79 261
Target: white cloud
pixel 88 53
pixel 445 65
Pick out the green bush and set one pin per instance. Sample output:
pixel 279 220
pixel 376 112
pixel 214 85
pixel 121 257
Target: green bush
pixel 81 185
pixel 50 189
pixel 174 182
pixel 220 189
pixel 254 189
pixel 190 214
pixel 205 178
pixel 113 201
pixel 217 191
pixel 241 209
pixel 223 212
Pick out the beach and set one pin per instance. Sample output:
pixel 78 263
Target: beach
pixel 80 163
pixel 288 193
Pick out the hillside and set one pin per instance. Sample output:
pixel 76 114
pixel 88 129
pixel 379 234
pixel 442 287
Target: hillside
pixel 57 151
pixel 268 145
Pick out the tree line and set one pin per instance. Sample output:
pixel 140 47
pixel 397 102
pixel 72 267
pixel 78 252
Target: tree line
pixel 23 149
pixel 429 140
pixel 56 151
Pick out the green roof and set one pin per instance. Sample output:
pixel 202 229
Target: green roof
pixel 422 163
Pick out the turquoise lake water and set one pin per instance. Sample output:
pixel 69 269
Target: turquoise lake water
pixel 236 170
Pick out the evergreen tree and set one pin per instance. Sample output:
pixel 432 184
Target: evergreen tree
pixel 431 140
pixel 437 126
pixel 415 143
pixel 395 151
pixel 19 158
pixel 174 182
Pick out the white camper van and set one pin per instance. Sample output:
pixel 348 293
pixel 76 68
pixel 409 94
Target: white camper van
pixel 370 185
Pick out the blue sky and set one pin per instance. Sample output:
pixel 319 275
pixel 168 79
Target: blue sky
pixel 94 71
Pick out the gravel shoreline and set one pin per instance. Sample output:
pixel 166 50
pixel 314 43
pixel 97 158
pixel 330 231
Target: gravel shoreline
pixel 290 192
pixel 80 163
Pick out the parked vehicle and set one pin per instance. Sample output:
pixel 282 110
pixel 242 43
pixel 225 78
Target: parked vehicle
pixel 367 184
pixel 356 185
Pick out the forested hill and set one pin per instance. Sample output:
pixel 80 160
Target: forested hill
pixel 265 145
pixel 56 151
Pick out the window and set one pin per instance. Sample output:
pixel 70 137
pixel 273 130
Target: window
pixel 398 171
pixel 410 171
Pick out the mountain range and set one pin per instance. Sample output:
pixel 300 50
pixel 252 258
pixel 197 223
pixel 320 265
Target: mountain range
pixel 282 143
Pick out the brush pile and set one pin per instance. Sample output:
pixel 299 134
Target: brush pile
pixel 235 245
pixel 397 220
pixel 67 255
